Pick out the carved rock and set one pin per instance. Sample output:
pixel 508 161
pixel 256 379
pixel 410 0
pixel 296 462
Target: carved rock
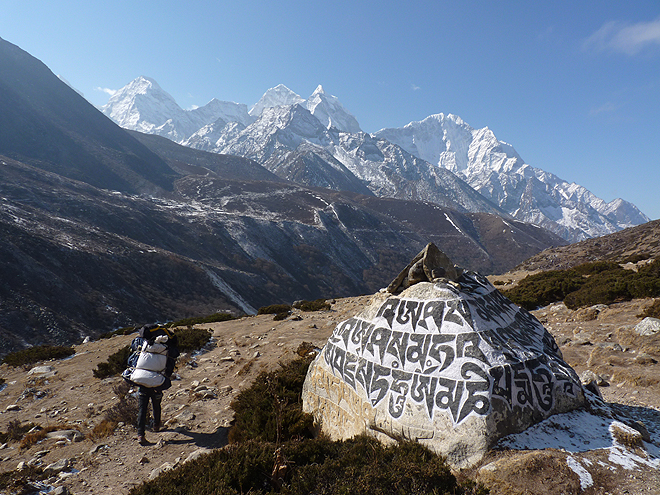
pixel 455 366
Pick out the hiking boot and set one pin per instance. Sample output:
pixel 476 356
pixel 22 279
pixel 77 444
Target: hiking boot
pixel 142 440
pixel 157 427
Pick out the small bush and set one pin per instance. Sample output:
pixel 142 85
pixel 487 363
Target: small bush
pixel 316 305
pixel 636 258
pixel 104 429
pixel 214 318
pixel 271 409
pixel 38 353
pixel 193 339
pixel 281 316
pixel 125 410
pixel 115 364
pixel 37 436
pixel 273 309
pixel 15 431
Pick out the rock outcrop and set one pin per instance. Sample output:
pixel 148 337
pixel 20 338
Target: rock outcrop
pixel 452 364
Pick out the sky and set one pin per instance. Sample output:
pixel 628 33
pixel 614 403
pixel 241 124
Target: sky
pixel 574 86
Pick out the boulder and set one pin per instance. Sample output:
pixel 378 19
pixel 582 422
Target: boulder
pixel 451 364
pixel 648 326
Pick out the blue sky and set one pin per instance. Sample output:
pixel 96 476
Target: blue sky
pixel 574 86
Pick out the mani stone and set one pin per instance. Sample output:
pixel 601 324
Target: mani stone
pixel 453 365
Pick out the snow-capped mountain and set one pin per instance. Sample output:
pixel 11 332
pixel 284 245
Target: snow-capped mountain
pixel 497 171
pixel 318 142
pixel 284 132
pixel 279 96
pixel 331 112
pixel 142 105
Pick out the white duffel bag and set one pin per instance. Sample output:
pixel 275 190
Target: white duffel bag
pixel 146 378
pixel 152 357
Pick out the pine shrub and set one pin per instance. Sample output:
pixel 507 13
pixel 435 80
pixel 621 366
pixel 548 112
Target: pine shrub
pixel 273 309
pixel 192 339
pixel 200 320
pixel 115 364
pixel 316 305
pixel 271 409
pixel 38 353
pixel 601 282
pixel 358 466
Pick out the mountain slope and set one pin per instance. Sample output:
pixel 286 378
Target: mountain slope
pixel 223 245
pixel 497 171
pixel 46 123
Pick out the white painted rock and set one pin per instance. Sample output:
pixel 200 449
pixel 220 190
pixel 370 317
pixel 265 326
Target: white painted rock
pixel 453 366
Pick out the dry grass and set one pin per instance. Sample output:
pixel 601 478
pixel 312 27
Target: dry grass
pixel 104 429
pixel 628 437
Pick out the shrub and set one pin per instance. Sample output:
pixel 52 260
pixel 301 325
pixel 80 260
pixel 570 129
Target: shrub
pixel 271 409
pixel 214 318
pixel 273 309
pixel 38 353
pixel 281 316
pixel 316 305
pixel 15 431
pixel 126 408
pixel 115 364
pixel 37 436
pixel 358 466
pixel 601 282
pixel 192 339
pixel 544 288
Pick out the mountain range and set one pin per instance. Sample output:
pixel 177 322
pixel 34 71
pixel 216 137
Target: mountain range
pixel 317 142
pixel 104 227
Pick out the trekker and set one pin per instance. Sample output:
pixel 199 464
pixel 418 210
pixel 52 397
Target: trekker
pixel 150 367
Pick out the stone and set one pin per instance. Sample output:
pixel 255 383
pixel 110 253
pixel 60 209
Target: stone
pixel 70 435
pixel 98 448
pixel 453 365
pixel 428 265
pixel 42 370
pixel 13 407
pixel 160 470
pixel 58 466
pixel 60 490
pixel 194 455
pixel 648 326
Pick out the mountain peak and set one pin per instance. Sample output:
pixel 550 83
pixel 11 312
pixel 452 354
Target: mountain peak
pixel 278 96
pixel 318 90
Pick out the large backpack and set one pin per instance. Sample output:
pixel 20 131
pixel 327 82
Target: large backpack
pixel 154 355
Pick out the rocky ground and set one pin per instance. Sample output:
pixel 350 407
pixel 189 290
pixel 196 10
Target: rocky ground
pixel 583 453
